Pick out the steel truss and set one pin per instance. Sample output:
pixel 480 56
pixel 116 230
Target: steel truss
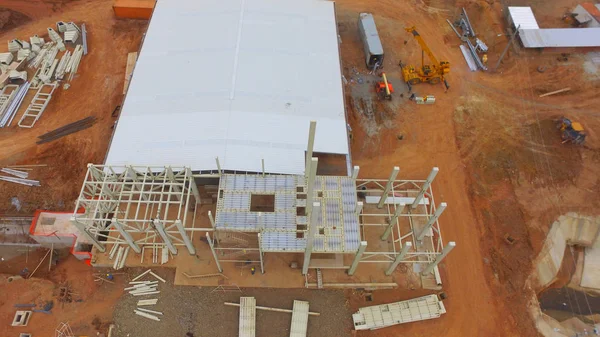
pixel 137 206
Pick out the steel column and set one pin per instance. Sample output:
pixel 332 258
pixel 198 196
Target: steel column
pixel 432 220
pixel 393 219
pixel 212 220
pixel 309 149
pixel 388 186
pixel 312 227
pixel 425 187
pixel 186 239
pixel 355 171
pixel 357 257
pixel 399 258
pixel 81 228
pixel 193 184
pixel 212 249
pixel 311 185
pixel 126 236
pixel 165 237
pixel 260 254
pixel 359 207
pixel 439 257
pixel 218 166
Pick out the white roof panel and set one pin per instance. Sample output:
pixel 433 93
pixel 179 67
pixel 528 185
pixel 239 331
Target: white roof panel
pixel 523 16
pixel 560 37
pixel 239 80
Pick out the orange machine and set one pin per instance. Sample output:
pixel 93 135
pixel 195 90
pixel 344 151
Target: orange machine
pixel 384 89
pixel 134 9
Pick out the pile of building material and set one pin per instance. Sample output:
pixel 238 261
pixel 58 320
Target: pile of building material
pixel 143 288
pixel 384 315
pixel 50 67
pixel 21 177
pixel 11 98
pixel 67 130
pixel 472 49
pixel 248 307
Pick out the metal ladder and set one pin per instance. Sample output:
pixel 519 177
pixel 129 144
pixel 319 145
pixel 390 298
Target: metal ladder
pixel 38 105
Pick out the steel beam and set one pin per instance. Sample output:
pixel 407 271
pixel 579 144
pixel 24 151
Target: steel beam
pixel 81 228
pixel 432 220
pixel 388 186
pixel 357 257
pixel 439 257
pixel 165 237
pixel 392 221
pixel 312 227
pixel 425 187
pixel 399 257
pixel 186 239
pixel 125 234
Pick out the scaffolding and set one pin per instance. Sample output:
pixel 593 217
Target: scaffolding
pixel 137 206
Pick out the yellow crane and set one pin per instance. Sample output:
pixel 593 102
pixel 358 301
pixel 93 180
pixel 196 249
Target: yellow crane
pixel 431 73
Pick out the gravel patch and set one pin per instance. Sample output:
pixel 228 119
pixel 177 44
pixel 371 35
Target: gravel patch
pixel 201 311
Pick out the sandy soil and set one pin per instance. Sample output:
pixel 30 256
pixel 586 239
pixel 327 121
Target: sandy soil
pixel 503 169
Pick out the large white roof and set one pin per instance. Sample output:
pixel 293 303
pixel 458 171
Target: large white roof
pixel 239 80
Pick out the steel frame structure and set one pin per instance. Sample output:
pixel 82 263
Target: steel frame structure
pixel 137 205
pixel 415 204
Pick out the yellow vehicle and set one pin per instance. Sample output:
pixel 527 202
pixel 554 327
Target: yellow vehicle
pixel 432 73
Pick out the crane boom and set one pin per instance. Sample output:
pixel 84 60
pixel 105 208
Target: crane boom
pixel 417 36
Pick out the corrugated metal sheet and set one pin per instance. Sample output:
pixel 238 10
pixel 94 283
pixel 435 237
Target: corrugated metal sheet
pixel 413 310
pixel 560 37
pixel 247 326
pixel 523 16
pixel 299 325
pixel 246 91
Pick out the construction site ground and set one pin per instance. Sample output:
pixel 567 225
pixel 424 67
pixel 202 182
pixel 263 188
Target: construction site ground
pixel 503 169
